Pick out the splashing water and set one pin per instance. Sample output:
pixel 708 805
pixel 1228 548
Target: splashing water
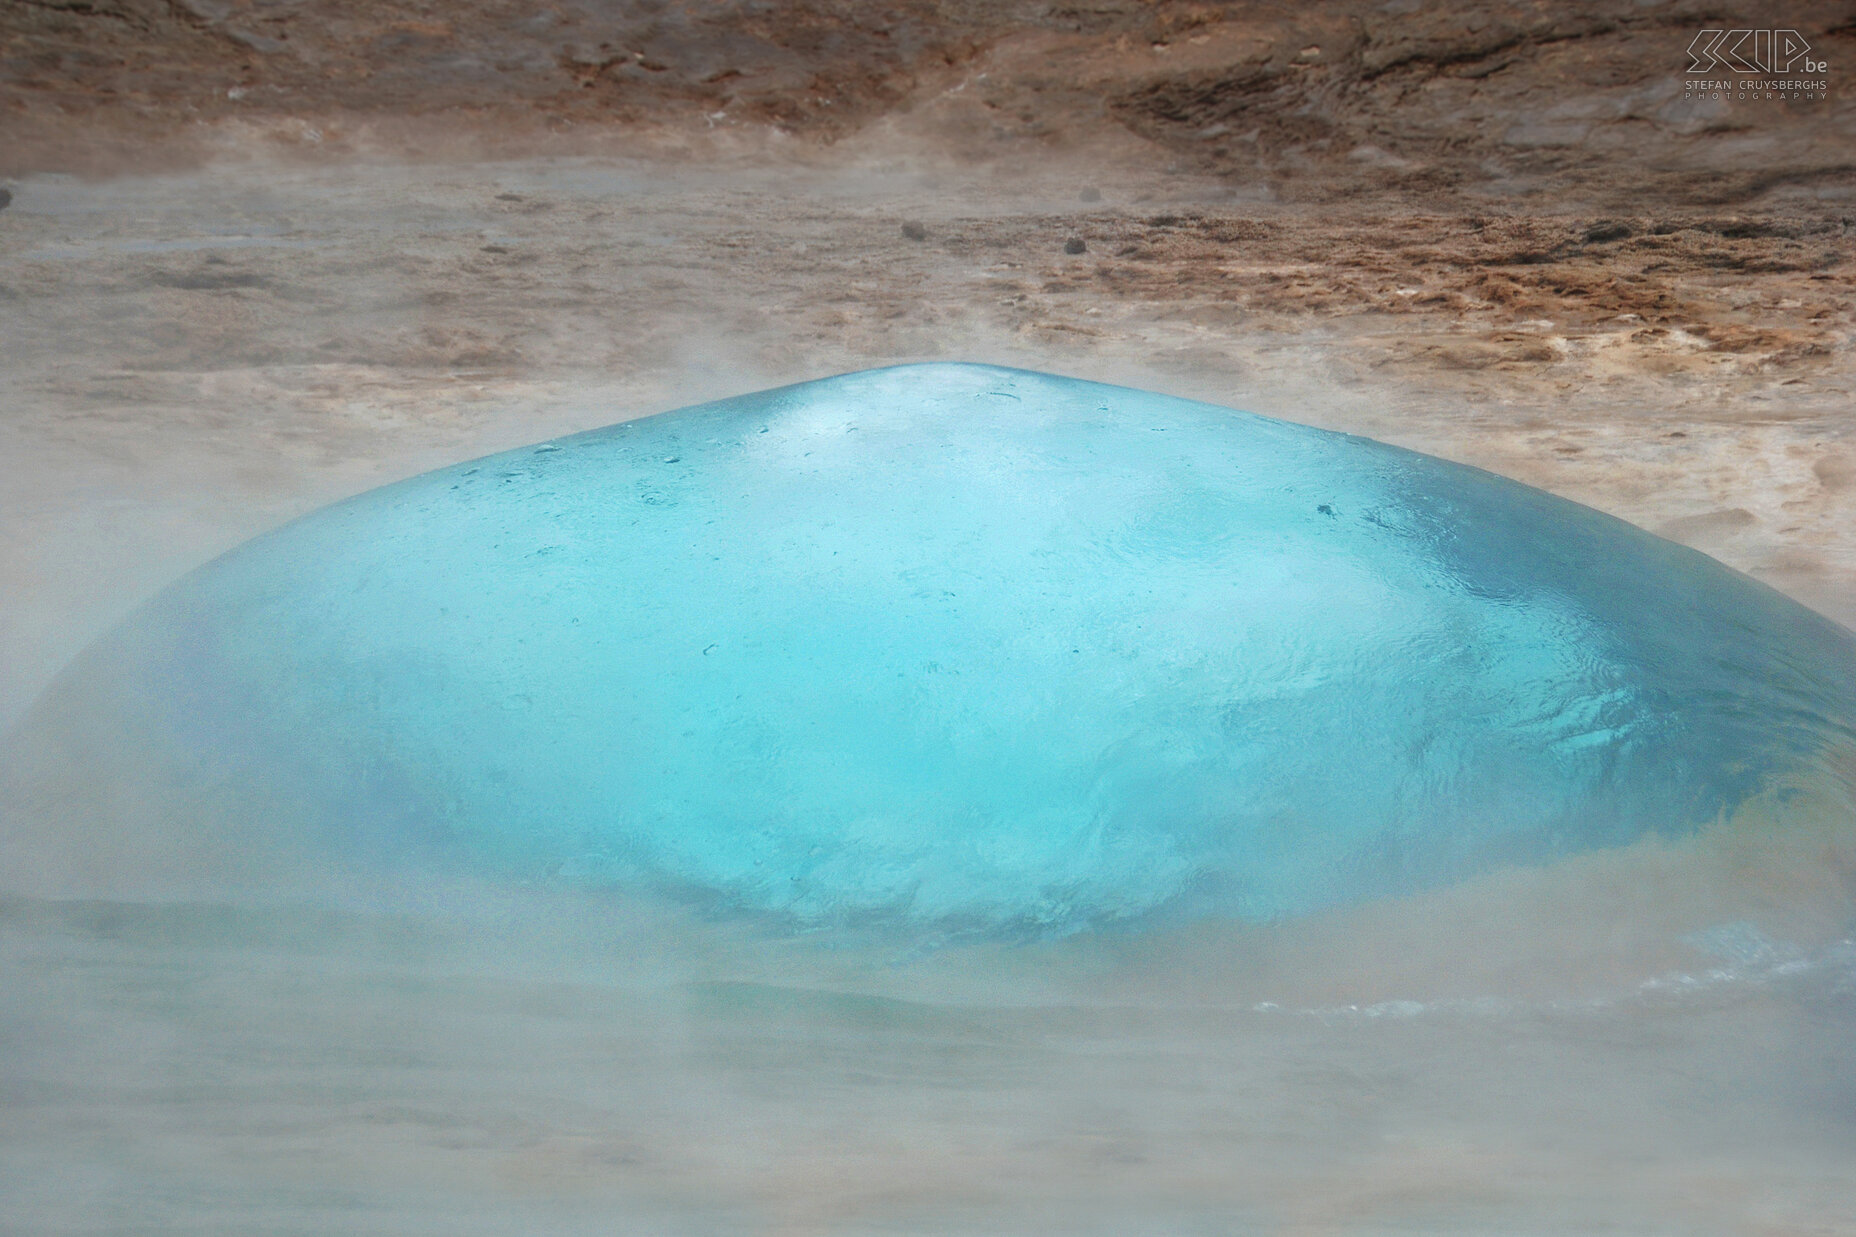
pixel 953 648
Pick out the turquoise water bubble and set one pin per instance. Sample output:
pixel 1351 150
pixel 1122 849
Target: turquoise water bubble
pixel 964 649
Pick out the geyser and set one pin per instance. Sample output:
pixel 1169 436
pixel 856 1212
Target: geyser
pixel 948 648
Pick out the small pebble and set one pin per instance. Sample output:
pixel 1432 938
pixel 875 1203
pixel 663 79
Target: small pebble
pixel 914 231
pixel 1075 245
pixel 1091 194
pixel 6 198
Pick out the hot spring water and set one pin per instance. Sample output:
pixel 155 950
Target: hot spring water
pixel 972 650
pixel 938 796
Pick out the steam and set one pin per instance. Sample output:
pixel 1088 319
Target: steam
pixel 194 358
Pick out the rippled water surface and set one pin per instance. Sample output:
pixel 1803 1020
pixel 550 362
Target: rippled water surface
pixel 573 1067
pixel 955 648
pixel 938 800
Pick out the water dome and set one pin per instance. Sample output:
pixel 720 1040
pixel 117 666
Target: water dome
pixel 953 649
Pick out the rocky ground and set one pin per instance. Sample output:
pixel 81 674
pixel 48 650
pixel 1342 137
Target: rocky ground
pixel 1559 104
